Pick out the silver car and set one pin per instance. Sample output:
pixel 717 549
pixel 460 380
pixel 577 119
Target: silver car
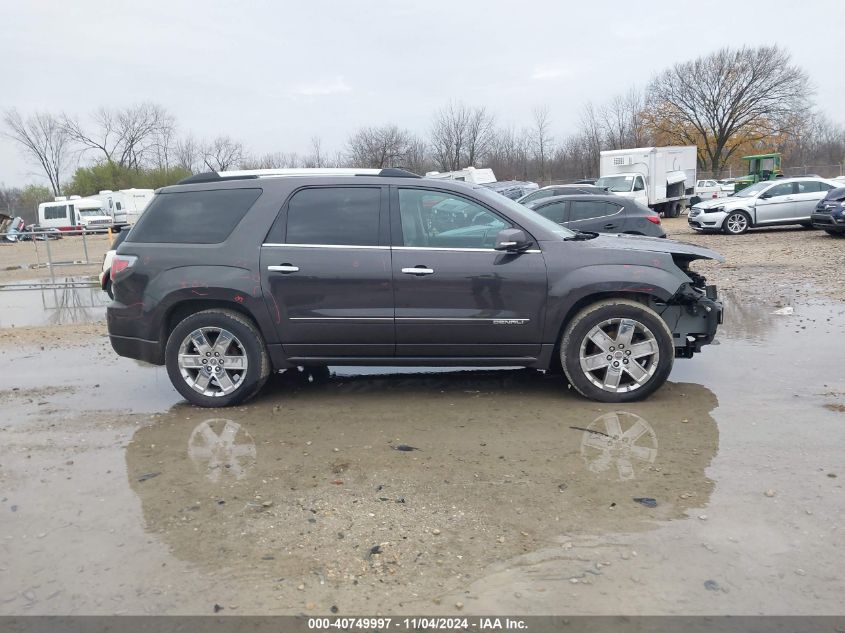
pixel 766 203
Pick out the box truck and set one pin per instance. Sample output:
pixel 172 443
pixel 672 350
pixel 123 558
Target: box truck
pixel 662 178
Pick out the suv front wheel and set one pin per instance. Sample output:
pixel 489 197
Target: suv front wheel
pixel 617 350
pixel 216 358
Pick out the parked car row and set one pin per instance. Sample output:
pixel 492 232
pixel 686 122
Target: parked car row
pixel 766 203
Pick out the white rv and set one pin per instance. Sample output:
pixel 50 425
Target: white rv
pixel 662 178
pixel 125 206
pixel 73 213
pixel 468 174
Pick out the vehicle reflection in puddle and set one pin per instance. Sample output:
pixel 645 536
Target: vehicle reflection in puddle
pixel 68 300
pixel 619 443
pixel 221 448
pixel 306 480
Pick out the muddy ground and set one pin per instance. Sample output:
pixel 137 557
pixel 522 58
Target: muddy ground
pixel 513 496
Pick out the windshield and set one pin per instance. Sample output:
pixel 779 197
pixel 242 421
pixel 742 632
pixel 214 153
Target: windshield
pixel 518 211
pixel 616 183
pixel 752 190
pixel 90 212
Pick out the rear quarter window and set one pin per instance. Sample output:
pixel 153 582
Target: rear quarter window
pixel 193 217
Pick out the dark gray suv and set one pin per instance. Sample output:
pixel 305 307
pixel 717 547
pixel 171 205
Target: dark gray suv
pixel 227 277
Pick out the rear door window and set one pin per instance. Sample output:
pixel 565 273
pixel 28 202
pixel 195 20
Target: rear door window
pixel 588 209
pixel 193 217
pixel 333 216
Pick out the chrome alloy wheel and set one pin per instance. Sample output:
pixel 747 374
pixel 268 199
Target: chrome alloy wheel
pixel 212 361
pixel 736 223
pixel 619 355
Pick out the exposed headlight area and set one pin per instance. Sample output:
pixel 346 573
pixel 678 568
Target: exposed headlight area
pixel 718 209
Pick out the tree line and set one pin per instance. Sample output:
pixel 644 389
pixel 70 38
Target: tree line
pixel 728 103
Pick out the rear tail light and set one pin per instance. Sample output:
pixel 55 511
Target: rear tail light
pixel 121 262
pixel 654 219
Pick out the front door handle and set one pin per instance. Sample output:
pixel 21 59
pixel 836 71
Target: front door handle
pixel 610 226
pixel 284 268
pixel 418 270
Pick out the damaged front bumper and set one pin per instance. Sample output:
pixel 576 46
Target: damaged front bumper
pixel 693 315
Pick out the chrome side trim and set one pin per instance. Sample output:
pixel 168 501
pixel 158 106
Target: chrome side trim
pixel 504 321
pixel 350 246
pixel 456 250
pixel 397 248
pixel 340 319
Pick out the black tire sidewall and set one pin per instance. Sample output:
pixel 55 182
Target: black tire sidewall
pixel 252 343
pixel 571 357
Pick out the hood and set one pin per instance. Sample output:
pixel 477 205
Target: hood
pixel 656 245
pixel 729 202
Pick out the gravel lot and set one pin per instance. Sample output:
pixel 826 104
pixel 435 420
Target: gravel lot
pixel 777 263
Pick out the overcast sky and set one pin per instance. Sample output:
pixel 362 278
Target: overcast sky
pixel 273 74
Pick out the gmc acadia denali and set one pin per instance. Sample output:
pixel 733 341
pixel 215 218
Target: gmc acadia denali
pixel 227 277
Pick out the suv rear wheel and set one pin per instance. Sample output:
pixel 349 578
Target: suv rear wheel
pixel 216 358
pixel 617 350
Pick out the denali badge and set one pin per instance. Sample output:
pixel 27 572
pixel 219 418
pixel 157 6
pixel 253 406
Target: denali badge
pixel 509 321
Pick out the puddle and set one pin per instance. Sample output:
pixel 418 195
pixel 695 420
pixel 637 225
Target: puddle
pixel 520 499
pixel 69 300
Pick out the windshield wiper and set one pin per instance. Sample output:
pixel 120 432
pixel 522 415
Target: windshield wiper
pixel 580 236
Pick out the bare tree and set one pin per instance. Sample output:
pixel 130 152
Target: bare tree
pixel 124 136
pixel 44 140
pixel 187 154
pixel 384 146
pixel 223 153
pixel 726 99
pixel 460 135
pixel 622 121
pixel 316 157
pixel 541 138
pixel 509 153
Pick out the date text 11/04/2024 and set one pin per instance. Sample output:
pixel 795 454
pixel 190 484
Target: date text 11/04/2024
pixel 423 623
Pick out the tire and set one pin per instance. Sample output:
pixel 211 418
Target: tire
pixel 197 340
pixel 578 350
pixel 108 289
pixel 736 223
pixel 835 233
pixel 674 209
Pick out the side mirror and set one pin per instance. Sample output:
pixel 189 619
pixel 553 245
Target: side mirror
pixel 765 195
pixel 512 241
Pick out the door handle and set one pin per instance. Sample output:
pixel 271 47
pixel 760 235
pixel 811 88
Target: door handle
pixel 418 270
pixel 610 225
pixel 284 268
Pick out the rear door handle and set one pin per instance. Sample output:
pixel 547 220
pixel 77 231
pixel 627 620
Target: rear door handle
pixel 418 270
pixel 284 268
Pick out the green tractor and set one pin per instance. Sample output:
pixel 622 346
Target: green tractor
pixel 760 167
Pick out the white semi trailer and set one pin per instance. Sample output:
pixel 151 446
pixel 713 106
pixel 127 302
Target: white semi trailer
pixel 662 178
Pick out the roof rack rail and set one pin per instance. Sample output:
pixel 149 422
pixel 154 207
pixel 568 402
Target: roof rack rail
pixel 211 176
